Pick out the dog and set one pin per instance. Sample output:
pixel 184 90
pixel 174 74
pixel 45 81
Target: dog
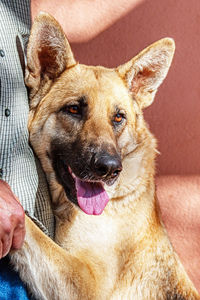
pixel 87 128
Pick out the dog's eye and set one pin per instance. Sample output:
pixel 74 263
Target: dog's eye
pixel 74 109
pixel 118 118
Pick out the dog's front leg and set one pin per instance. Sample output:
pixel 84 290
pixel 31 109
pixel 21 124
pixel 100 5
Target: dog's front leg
pixel 49 271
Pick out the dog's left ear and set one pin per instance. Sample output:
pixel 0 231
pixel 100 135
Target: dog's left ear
pixel 48 53
pixel 145 72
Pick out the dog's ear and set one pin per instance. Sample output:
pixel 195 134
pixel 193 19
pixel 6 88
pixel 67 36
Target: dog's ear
pixel 145 72
pixel 48 53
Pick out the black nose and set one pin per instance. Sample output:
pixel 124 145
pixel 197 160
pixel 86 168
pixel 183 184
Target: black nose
pixel 105 165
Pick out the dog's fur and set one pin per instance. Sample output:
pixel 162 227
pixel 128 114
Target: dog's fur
pixel 79 114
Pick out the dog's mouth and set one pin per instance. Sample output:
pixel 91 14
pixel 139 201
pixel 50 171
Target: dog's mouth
pixel 89 195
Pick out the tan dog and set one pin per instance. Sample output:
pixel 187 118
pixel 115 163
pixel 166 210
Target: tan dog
pixel 87 128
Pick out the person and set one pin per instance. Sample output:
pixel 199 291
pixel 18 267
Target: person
pixel 21 174
pixel 23 186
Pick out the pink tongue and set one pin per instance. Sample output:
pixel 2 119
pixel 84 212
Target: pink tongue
pixel 92 198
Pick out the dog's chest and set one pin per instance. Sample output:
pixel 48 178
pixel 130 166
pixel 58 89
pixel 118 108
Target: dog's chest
pixel 93 239
pixel 95 233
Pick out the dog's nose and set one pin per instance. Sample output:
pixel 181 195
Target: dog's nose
pixel 106 165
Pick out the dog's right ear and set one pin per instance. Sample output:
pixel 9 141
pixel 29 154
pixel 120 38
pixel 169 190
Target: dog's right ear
pixel 48 53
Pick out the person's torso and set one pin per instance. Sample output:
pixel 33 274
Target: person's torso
pixel 18 165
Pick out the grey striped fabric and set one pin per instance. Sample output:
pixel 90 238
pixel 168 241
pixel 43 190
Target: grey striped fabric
pixel 18 165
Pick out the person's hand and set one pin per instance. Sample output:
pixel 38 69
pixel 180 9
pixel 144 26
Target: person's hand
pixel 12 220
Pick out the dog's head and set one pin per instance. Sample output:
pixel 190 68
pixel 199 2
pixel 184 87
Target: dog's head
pixel 85 121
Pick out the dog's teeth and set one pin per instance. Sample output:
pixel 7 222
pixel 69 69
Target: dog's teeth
pixel 70 171
pixel 72 174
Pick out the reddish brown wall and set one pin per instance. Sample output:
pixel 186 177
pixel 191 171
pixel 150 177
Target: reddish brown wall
pixel 175 115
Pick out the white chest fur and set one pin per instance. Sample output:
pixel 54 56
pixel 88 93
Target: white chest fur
pixel 89 232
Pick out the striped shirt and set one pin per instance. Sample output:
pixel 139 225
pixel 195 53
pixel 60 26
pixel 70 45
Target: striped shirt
pixel 18 165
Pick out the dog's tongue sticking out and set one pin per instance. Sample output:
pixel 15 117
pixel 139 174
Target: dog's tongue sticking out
pixel 92 198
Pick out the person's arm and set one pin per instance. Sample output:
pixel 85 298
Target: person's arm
pixel 12 220
pixel 82 20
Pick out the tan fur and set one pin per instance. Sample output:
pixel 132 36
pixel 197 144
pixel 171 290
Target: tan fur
pixel 124 253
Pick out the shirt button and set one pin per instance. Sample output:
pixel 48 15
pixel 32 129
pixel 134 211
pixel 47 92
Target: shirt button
pixel 1 173
pixel 2 53
pixel 7 112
